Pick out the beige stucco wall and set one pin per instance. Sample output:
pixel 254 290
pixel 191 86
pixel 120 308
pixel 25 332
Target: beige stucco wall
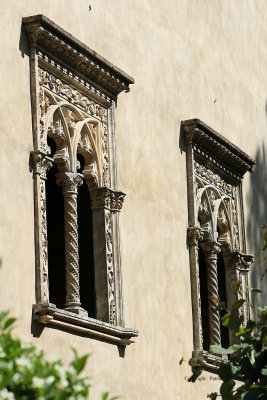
pixel 189 58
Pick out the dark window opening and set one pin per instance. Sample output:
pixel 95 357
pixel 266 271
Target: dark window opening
pixel 55 238
pixel 86 255
pixel 204 300
pixel 222 296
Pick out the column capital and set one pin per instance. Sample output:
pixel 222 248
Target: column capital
pixel 69 181
pixel 210 249
pixel 194 235
pixel 40 163
pixel 237 260
pixel 107 198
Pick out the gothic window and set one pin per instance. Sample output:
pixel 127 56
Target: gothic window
pixel 216 233
pixel 77 203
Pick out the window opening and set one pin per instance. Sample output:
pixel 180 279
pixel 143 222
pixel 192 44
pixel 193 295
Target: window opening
pixel 216 231
pixel 77 204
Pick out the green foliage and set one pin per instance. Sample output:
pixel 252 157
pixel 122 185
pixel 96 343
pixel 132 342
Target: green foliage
pixel 247 360
pixel 25 374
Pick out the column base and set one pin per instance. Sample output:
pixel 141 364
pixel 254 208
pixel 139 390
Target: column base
pixel 76 309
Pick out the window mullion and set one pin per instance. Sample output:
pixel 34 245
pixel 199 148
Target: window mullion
pixel 69 182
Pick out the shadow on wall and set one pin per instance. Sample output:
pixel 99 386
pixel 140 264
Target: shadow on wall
pixel 257 202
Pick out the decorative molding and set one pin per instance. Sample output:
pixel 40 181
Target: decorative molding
pixel 104 197
pixel 215 168
pixel 74 92
pixel 45 35
pixel 49 315
pixel 194 235
pixel 212 178
pixel 71 95
pixel 240 261
pixel 216 149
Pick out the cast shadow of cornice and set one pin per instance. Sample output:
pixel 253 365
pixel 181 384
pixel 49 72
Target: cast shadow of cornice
pixel 257 215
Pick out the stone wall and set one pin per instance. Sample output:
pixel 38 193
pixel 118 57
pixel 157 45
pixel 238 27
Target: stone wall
pixel 189 59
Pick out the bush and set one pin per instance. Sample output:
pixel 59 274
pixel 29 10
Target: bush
pixel 247 360
pixel 26 374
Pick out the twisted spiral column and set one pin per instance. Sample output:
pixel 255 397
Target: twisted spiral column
pixel 70 182
pixel 211 249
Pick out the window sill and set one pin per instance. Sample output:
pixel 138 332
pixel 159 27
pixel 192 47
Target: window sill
pixel 49 315
pixel 211 361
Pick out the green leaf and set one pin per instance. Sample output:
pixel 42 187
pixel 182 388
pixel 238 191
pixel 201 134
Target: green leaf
pixel 226 389
pixel 213 396
pixel 196 372
pixel 225 319
pixel 264 308
pixel 79 362
pixel 9 322
pixel 215 348
pixel 264 371
pixel 234 323
pixel 225 372
pixel 238 304
pixel 3 314
pixel 255 290
pixel 196 361
pixel 250 395
pixel 105 395
pixel 264 342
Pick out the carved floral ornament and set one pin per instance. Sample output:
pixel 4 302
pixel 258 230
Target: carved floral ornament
pixel 74 131
pixel 74 91
pixel 215 168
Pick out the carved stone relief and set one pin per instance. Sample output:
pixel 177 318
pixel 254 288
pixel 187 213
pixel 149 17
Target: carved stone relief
pixel 215 169
pixel 74 92
pixel 78 125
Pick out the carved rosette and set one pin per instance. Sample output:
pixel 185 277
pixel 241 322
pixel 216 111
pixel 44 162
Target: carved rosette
pixel 211 249
pixel 69 182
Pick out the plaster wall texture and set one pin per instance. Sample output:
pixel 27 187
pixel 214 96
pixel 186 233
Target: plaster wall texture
pixel 189 59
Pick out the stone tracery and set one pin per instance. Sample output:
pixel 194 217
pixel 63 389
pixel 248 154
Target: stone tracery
pixel 74 92
pixel 215 169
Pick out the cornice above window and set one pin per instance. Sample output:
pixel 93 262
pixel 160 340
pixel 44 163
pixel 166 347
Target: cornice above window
pixel 45 35
pixel 216 149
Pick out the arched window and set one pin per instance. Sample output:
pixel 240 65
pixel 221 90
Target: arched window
pixel 216 232
pixel 77 203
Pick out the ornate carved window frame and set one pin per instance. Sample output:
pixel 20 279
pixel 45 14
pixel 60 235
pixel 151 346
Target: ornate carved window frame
pixel 73 94
pixel 215 168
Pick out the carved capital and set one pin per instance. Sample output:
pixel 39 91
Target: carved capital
pixel 107 198
pixel 210 249
pixel 194 235
pixel 41 163
pixel 69 182
pixel 237 260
